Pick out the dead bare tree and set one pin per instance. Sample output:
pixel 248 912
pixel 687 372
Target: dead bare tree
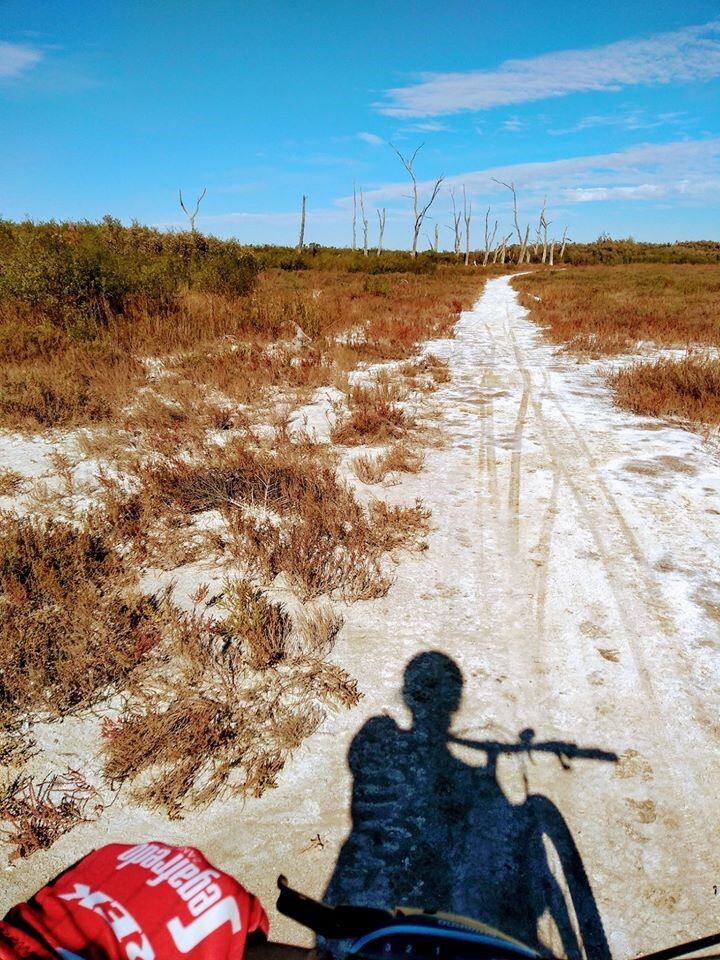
pixel 502 249
pixel 419 213
pixel 456 225
pixel 354 220
pixel 544 224
pixel 381 222
pixel 539 232
pixel 434 241
pixel 301 241
pixel 489 240
pixel 191 216
pixel 564 243
pixel 467 214
pixel 511 187
pixel 364 223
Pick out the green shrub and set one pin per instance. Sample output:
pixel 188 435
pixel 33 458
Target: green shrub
pixel 80 275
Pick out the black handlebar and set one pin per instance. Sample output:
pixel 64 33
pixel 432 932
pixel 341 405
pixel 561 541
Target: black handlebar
pixel 335 923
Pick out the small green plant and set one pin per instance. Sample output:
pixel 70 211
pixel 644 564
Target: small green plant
pixel 262 626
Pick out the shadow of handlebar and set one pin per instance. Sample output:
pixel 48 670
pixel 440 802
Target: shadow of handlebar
pixel 526 743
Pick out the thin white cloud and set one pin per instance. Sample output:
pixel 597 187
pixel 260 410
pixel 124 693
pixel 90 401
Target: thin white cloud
pixel 512 124
pixel 370 138
pixel 425 126
pixel 692 53
pixel 16 58
pixel 632 120
pixel 687 169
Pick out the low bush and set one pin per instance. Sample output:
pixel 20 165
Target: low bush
pixel 264 627
pixel 374 417
pixel 82 275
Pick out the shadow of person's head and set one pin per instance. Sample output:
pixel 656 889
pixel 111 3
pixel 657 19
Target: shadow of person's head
pixel 432 691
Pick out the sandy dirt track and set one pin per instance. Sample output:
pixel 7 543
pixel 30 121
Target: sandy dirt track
pixel 573 576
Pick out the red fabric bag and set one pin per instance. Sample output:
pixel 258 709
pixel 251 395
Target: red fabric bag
pixel 149 901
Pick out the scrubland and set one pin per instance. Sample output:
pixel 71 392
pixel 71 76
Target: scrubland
pixel 175 579
pixel 672 310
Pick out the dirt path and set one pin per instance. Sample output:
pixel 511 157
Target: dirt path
pixel 572 574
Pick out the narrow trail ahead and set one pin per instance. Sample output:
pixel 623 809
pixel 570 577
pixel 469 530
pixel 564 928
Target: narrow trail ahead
pixel 572 574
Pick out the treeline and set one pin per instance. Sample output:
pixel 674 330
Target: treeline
pixel 80 275
pixel 606 250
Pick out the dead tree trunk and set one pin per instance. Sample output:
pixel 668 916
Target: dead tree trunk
pixel 542 227
pixel 354 220
pixel 523 246
pixel 545 223
pixel 522 243
pixel 419 213
pixel 552 253
pixel 467 214
pixel 191 216
pixel 564 243
pixel 501 249
pixel 301 241
pixel 488 239
pixel 457 243
pixel 381 221
pixel 365 223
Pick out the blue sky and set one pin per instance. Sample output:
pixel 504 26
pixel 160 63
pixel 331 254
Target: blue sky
pixel 611 110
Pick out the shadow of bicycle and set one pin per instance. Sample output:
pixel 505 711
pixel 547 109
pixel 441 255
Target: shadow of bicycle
pixel 432 831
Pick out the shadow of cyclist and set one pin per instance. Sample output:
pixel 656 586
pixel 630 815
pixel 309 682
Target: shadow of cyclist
pixel 434 832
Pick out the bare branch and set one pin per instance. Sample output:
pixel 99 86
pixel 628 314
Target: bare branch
pixel 511 187
pixel 418 213
pixel 191 216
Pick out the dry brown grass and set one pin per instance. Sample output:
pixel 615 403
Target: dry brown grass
pixel 603 310
pixel 209 705
pixel 285 511
pixel 688 389
pixel 427 372
pixel 11 482
pixel 319 554
pixel 204 698
pixel 73 624
pixel 218 727
pixel 374 417
pixel 398 526
pixel 399 458
pixel 240 347
pixel 38 814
